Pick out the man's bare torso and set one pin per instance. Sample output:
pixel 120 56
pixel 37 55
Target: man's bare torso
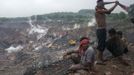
pixel 101 20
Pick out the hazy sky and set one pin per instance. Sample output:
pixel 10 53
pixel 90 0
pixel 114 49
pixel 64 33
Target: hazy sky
pixel 14 8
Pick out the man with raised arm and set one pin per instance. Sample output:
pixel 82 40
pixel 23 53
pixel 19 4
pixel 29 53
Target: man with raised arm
pixel 100 15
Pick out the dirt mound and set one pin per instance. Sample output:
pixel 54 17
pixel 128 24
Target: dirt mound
pixel 112 67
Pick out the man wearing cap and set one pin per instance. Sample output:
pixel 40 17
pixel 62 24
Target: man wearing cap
pixel 100 15
pixel 86 54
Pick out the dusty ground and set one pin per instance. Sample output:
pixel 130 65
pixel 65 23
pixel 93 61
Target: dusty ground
pixel 112 67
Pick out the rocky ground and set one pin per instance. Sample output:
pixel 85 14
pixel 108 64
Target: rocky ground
pixel 44 56
pixel 112 67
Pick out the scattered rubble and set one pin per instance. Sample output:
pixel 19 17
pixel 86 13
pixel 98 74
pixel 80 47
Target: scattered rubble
pixel 40 53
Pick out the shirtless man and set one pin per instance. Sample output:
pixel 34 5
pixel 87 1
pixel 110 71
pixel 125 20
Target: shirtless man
pixel 100 16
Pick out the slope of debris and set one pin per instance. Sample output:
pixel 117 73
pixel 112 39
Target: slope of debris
pixel 112 67
pixel 32 49
pixel 37 48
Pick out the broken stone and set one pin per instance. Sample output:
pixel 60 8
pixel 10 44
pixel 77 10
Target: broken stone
pixel 83 72
pixel 108 73
pixel 30 71
pixel 40 72
pixel 79 72
pixel 2 69
pixel 114 67
pixel 12 56
pixel 74 74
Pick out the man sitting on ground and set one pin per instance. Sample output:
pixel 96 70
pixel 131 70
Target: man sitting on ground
pixel 124 41
pixel 115 46
pixel 84 57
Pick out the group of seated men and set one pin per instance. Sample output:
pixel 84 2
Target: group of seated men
pixel 84 57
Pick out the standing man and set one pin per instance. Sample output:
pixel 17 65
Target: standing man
pixel 100 15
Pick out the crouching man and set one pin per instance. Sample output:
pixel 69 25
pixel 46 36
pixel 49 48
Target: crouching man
pixel 84 57
pixel 124 41
pixel 116 47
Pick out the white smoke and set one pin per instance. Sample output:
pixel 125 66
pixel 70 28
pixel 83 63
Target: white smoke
pixel 76 26
pixel 41 31
pixel 92 22
pixel 65 28
pixel 14 49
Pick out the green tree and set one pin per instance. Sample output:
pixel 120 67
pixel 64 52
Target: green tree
pixel 122 15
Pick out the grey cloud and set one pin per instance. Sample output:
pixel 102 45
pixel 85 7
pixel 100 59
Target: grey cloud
pixel 13 8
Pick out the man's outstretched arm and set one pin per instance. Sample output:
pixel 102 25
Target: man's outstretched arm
pixel 98 10
pixel 105 3
pixel 123 6
pixel 112 8
pixel 70 52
